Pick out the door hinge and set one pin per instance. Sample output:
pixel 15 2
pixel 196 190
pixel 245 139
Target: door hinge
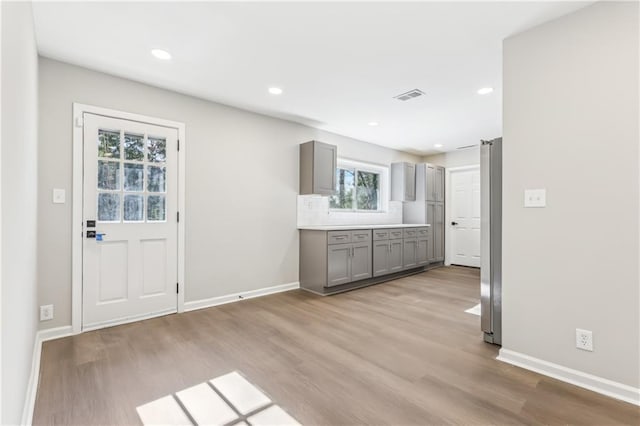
pixel 178 216
pixel 178 144
pixel 177 288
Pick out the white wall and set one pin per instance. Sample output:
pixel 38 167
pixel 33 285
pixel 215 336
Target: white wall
pixel 463 157
pixel 19 201
pixel 241 178
pixel 571 126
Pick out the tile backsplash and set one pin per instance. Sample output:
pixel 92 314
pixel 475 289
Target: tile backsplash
pixel 313 210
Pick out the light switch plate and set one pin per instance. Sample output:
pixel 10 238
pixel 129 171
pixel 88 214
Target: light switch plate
pixel 59 196
pixel 535 197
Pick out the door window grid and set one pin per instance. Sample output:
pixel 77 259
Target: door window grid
pixel 131 174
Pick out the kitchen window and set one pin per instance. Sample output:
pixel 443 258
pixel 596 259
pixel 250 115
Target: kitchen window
pixel 359 187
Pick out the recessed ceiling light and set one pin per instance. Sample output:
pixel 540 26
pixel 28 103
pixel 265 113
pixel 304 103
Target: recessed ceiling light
pixel 275 90
pixel 373 123
pixel 161 54
pixel 438 145
pixel 485 90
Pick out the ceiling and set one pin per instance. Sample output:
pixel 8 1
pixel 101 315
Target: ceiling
pixel 339 64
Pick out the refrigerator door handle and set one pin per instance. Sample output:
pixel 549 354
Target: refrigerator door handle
pixel 485 238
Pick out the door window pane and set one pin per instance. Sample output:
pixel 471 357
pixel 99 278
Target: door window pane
pixel 133 207
pixel 156 209
pixel 156 179
pixel 108 175
pixel 133 177
pixel 133 147
pixel 345 186
pixel 156 149
pixel 108 207
pixel 108 144
pixel 368 190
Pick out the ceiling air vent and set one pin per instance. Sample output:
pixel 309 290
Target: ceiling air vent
pixel 409 95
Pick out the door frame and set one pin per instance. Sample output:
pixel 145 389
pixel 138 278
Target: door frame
pixel 448 198
pixel 78 194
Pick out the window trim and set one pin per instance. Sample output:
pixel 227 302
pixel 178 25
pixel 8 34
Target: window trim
pixel 383 171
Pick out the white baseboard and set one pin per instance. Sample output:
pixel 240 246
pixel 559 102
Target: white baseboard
pixel 575 377
pixel 126 320
pixel 34 377
pixel 229 298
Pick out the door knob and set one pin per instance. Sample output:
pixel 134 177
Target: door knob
pixel 454 223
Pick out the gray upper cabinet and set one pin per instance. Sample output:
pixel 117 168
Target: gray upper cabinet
pixel 403 182
pixel 430 182
pixel 318 163
pixel 439 184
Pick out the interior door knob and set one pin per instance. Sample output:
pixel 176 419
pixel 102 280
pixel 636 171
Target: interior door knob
pixel 454 223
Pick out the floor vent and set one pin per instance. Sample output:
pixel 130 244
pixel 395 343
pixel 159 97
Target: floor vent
pixel 409 95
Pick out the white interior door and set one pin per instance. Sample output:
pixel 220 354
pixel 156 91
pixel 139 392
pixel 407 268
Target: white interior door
pixel 465 217
pixel 130 192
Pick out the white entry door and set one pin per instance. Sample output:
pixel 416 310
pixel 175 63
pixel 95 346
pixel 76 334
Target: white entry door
pixel 465 217
pixel 130 209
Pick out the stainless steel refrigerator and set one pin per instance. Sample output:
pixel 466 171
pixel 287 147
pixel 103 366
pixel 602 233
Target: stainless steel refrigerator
pixel 491 240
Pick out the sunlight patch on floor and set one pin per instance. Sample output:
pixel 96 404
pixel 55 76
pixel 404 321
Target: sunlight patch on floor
pixel 475 310
pixel 226 400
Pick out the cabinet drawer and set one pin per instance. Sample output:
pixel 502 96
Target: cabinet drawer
pixel 380 234
pixel 410 232
pixel 395 234
pixel 358 236
pixel 423 232
pixel 339 237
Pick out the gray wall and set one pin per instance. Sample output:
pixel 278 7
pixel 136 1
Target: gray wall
pixel 19 197
pixel 464 157
pixel 571 126
pixel 241 184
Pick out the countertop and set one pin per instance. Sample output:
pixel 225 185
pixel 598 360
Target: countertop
pixel 343 227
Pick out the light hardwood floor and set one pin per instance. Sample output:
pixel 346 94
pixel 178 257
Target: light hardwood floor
pixel 398 353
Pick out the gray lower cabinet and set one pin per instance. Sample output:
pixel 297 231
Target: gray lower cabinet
pixel 422 250
pixel 339 264
pixel 347 262
pixel 380 258
pixel 438 232
pixel 331 259
pixel 410 253
pixel 395 256
pixel 424 240
pixel 361 261
pixel 387 253
pixel 431 212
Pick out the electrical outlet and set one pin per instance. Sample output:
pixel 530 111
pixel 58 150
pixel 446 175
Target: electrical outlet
pixel 535 197
pixel 584 340
pixel 46 312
